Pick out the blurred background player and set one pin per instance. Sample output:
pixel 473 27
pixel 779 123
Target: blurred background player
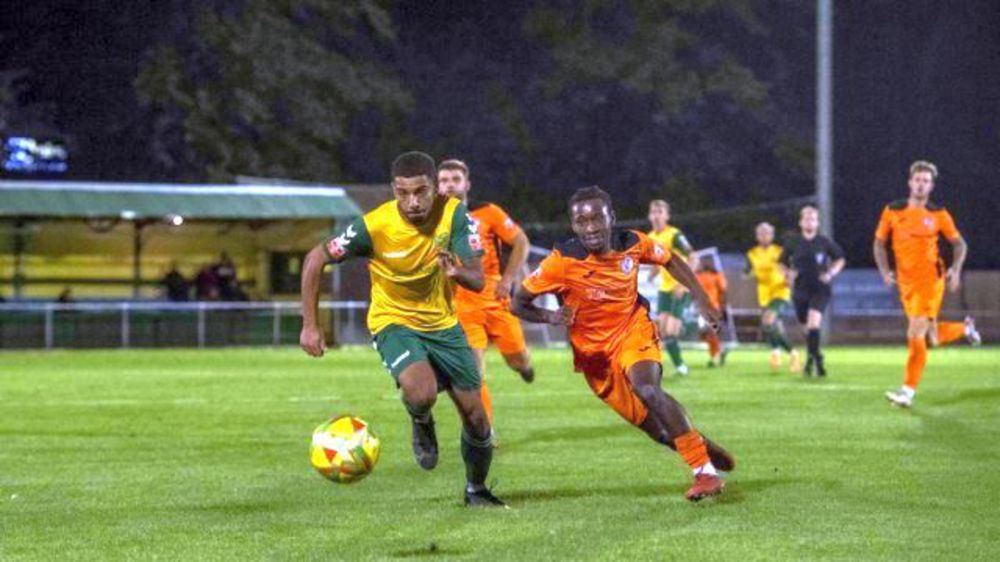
pixel 812 262
pixel 417 246
pixel 673 297
pixel 914 225
pixel 595 276
pixel 485 316
pixel 713 282
pixel 773 294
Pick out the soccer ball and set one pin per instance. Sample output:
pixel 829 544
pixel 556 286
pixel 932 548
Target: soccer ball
pixel 344 449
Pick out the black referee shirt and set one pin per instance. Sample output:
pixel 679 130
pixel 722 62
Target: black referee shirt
pixel 811 258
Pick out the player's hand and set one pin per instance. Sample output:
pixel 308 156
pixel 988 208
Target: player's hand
pixel 954 280
pixel 448 263
pixel 713 316
pixel 504 288
pixel 564 316
pixel 312 341
pixel 889 278
pixel 825 278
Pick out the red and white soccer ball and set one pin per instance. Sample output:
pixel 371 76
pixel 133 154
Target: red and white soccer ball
pixel 344 449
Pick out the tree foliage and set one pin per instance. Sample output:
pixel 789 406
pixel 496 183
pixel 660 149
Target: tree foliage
pixel 270 88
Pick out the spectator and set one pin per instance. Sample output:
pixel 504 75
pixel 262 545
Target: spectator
pixel 177 287
pixel 225 273
pixel 206 284
pixel 66 296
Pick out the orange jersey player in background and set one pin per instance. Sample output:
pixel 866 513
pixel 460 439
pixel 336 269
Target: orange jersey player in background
pixel 486 316
pixel 715 286
pixel 913 225
pixel 615 344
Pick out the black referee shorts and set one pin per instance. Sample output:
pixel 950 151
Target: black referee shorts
pixel 810 299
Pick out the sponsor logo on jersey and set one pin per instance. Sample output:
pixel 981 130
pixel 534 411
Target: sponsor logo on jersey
pixel 337 247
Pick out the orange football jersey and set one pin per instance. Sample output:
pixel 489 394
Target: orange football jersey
pixel 495 227
pixel 714 284
pixel 914 233
pixel 602 289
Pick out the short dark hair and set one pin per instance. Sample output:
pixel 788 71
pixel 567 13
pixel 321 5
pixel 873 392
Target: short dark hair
pixel 588 193
pixel 454 164
pixel 413 164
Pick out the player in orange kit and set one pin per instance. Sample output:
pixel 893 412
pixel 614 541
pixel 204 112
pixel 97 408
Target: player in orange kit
pixel 486 316
pixel 615 344
pixel 714 283
pixel 914 225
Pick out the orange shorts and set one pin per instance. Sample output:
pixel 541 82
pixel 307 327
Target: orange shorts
pixel 608 376
pixel 922 299
pixel 493 322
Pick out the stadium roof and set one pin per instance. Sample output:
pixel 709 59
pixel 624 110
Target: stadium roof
pixel 64 199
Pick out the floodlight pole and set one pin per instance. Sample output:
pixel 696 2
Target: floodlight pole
pixel 824 114
pixel 824 127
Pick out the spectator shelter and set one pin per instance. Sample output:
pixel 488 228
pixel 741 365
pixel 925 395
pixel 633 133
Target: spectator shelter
pixel 118 240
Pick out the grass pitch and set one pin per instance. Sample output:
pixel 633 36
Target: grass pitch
pixel 202 455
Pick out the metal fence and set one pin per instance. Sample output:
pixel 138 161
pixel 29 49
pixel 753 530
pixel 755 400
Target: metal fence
pixel 160 324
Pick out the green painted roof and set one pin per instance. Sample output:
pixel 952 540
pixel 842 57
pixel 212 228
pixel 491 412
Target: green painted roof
pixel 190 201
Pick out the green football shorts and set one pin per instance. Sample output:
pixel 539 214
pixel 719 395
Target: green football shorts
pixel 447 351
pixel 777 305
pixel 666 302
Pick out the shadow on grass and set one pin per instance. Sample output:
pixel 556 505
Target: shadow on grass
pixel 735 491
pixel 576 433
pixel 426 552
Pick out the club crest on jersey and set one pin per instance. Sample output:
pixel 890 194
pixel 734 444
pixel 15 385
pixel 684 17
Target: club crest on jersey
pixel 627 265
pixel 337 247
pixel 820 258
pixel 475 242
pixel 441 240
pixel 929 222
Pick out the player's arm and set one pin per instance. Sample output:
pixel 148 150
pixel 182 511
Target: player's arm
pixel 548 278
pixel 353 241
pixel 837 254
pixel 880 249
pixel 462 262
pixel 959 251
pixel 682 272
pixel 513 236
pixel 523 306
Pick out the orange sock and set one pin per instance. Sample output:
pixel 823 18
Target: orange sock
pixel 691 448
pixel 948 332
pixel 484 394
pixel 915 362
pixel 714 346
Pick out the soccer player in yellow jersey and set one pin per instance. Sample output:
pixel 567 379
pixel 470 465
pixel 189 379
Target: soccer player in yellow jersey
pixel 673 297
pixel 485 316
pixel 914 226
pixel 773 293
pixel 418 246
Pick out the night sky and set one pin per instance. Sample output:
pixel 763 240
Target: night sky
pixel 913 80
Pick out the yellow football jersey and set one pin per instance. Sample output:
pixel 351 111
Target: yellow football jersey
pixel 409 288
pixel 764 264
pixel 672 239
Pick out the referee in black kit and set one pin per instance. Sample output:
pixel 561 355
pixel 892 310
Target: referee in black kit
pixel 812 261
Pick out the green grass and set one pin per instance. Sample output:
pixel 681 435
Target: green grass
pixel 202 455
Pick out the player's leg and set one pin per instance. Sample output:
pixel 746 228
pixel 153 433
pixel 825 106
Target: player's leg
pixel 767 321
pixel 474 325
pixel 405 356
pixel 675 304
pixel 644 379
pixel 505 332
pixel 916 360
pixel 709 336
pixel 801 303
pixel 452 358
pixel 814 321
